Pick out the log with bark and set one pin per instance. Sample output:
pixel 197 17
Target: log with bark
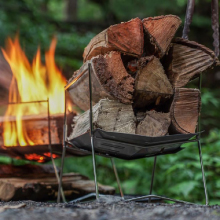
pixel 108 115
pixel 109 80
pixel 37 131
pixel 27 171
pixel 186 60
pixel 126 37
pixel 151 83
pixel 159 31
pixel 184 110
pixel 36 127
pixel 154 124
pixel 45 187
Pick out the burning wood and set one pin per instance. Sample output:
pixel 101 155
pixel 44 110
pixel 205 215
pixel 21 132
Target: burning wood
pixel 32 83
pixel 142 81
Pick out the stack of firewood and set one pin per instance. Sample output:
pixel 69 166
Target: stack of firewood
pixel 138 72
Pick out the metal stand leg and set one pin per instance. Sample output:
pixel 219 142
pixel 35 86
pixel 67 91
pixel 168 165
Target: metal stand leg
pixel 203 173
pixel 94 169
pixel 51 152
pixel 61 173
pixel 152 178
pixel 117 178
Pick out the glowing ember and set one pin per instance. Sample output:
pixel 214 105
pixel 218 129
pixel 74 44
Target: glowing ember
pixel 31 82
pixel 35 157
pixel 49 155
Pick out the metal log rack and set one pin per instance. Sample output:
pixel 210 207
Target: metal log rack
pixel 150 146
pixel 100 135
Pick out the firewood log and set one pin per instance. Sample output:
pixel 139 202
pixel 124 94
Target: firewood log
pixel 45 188
pixel 109 80
pixel 126 37
pixel 184 110
pixel 154 124
pixel 186 60
pixel 108 115
pixel 26 171
pixel 159 31
pixel 151 83
pixel 36 127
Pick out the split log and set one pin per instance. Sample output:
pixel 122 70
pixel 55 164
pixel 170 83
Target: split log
pixel 184 110
pixel 36 127
pixel 108 115
pixel 39 189
pixel 154 124
pixel 109 80
pixel 186 60
pixel 159 31
pixel 151 83
pixel 127 37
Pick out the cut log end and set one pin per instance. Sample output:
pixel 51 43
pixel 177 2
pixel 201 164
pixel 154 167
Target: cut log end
pixel 114 77
pixel 159 33
pixel 155 124
pixel 185 110
pixel 126 37
pixel 108 115
pixel 151 83
pixel 179 65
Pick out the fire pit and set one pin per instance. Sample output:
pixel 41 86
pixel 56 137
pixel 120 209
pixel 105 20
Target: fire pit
pixel 34 116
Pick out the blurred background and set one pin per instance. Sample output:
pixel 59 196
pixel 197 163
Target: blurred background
pixel 74 23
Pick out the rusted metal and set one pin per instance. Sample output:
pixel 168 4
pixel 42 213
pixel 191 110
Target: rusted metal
pixel 188 18
pixel 215 26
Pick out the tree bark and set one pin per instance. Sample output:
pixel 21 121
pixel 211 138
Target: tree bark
pixel 126 37
pixel 108 115
pixel 151 83
pixel 45 188
pixel 184 110
pixel 186 60
pixel 159 31
pixel 109 80
pixel 154 124
pixel 26 171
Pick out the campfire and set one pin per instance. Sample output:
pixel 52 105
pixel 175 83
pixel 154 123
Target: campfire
pixel 36 93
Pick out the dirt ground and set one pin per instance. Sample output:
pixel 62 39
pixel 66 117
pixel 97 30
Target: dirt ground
pixel 105 209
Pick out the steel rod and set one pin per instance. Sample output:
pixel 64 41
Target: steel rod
pixel 199 148
pixel 51 152
pixel 152 178
pixel 188 18
pixel 215 25
pixel 91 134
pixel 117 177
pixel 75 79
pixel 64 150
pixel 14 103
pixel 159 197
pixel 61 174
pixel 203 173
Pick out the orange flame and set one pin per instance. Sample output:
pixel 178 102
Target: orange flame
pixel 31 82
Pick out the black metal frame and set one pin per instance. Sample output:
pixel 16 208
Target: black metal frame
pixel 150 196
